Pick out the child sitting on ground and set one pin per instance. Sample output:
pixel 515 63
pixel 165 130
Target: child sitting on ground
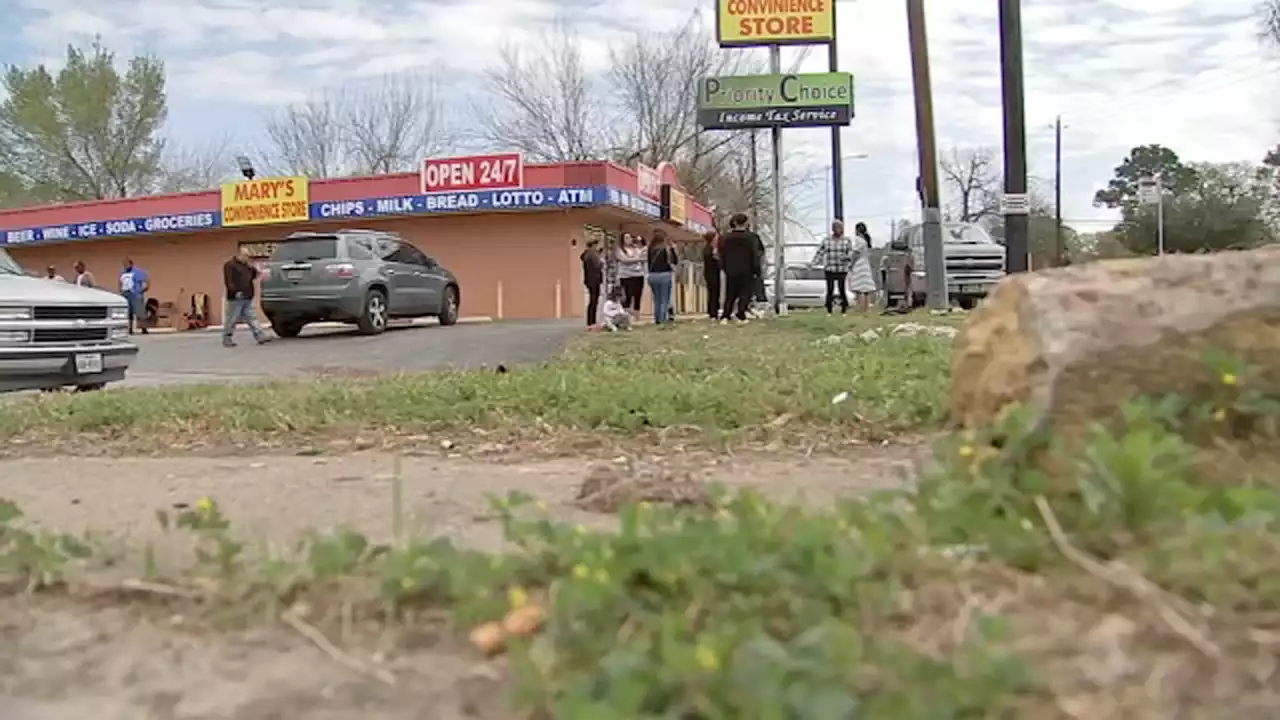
pixel 616 317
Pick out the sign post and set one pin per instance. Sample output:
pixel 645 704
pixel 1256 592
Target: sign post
pixel 778 100
pixel 1151 192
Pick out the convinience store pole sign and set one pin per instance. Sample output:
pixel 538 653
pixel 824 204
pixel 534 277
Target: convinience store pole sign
pixel 775 101
pixel 753 101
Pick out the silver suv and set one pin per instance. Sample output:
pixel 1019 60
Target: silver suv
pixel 364 277
pixel 55 335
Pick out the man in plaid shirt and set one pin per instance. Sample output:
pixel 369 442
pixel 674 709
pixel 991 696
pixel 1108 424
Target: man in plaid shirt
pixel 836 256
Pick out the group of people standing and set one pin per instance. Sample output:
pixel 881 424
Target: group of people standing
pixel 738 256
pixel 846 266
pixel 133 285
pixel 733 267
pixel 638 263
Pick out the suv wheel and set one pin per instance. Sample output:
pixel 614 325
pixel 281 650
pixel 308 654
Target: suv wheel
pixel 287 328
pixel 449 306
pixel 374 318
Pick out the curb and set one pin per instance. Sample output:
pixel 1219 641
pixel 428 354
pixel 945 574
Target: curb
pixel 393 325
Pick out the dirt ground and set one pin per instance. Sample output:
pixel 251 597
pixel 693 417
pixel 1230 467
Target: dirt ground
pixel 64 660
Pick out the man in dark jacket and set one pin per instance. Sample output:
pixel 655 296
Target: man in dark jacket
pixel 593 278
pixel 742 262
pixel 238 275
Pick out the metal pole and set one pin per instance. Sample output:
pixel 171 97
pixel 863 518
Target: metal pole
pixel 779 257
pixel 827 202
pixel 1016 221
pixel 755 184
pixel 934 260
pixel 1159 216
pixel 1060 244
pixel 837 167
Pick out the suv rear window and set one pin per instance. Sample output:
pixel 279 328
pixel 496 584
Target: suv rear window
pixel 306 249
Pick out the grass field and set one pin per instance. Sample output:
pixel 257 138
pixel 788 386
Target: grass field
pixel 698 383
pixel 1137 580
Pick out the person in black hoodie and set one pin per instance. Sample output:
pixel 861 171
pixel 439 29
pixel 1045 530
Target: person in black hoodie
pixel 238 275
pixel 711 272
pixel 742 261
pixel 593 278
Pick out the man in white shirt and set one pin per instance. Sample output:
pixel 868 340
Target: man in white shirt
pixel 51 273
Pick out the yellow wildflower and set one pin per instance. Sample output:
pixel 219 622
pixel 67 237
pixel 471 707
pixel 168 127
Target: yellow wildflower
pixel 581 530
pixel 706 658
pixel 645 504
pixel 205 504
pixel 1228 378
pixel 406 583
pixel 581 571
pixel 966 451
pixel 540 505
pixel 519 598
pixel 1220 415
pixel 602 577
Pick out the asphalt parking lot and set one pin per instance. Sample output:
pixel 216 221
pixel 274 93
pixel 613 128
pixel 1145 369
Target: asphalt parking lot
pixel 198 357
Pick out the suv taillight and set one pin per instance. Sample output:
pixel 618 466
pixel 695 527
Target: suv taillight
pixel 342 270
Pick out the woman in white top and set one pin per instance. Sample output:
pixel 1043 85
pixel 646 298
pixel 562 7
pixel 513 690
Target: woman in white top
pixel 633 259
pixel 861 282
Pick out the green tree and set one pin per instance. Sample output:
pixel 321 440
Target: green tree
pixel 88 132
pixel 1221 210
pixel 1145 161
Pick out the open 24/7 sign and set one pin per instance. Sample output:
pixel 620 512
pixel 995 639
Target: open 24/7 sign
pixel 502 171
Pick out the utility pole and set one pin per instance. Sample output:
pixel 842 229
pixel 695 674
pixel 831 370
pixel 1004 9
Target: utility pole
pixel 927 182
pixel 1059 244
pixel 755 185
pixel 779 250
pixel 1016 221
pixel 837 167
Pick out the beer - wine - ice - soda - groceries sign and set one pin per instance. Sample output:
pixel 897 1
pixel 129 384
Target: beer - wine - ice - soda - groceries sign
pixel 500 171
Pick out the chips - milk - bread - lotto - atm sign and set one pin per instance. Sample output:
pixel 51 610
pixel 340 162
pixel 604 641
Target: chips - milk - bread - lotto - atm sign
pixel 500 171
pixel 762 101
pixel 265 201
pixel 745 23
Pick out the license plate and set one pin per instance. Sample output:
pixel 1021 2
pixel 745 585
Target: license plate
pixel 293 274
pixel 974 289
pixel 88 363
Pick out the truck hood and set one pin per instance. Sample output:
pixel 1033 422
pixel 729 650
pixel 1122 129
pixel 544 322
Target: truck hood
pixel 23 290
pixel 973 249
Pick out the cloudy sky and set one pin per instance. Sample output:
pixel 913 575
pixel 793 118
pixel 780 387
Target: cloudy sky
pixel 1191 74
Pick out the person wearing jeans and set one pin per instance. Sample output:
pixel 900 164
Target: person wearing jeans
pixel 239 274
pixel 662 267
pixel 134 284
pixel 835 256
pixel 630 257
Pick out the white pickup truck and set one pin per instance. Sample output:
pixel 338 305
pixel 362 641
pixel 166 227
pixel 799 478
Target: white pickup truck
pixel 54 334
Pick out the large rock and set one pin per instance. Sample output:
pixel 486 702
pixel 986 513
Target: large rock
pixel 1074 343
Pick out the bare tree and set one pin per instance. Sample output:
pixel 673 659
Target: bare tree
pixel 973 182
pixel 393 125
pixel 307 137
pixel 543 103
pixel 192 168
pixel 386 127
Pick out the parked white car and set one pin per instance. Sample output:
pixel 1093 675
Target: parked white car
pixel 806 287
pixel 54 334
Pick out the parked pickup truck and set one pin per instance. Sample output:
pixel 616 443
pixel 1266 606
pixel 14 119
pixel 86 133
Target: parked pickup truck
pixel 54 335
pixel 974 262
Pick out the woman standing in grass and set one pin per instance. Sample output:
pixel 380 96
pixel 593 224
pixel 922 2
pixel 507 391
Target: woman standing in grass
pixel 631 266
pixel 662 268
pixel 862 282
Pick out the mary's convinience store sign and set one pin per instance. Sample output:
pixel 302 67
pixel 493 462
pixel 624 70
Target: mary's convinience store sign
pixel 265 201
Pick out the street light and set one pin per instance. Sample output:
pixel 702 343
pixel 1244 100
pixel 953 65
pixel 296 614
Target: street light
pixel 831 181
pixel 246 167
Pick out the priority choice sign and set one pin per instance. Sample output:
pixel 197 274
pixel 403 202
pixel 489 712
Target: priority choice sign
pixel 746 23
pixel 503 171
pixel 764 101
pixel 265 201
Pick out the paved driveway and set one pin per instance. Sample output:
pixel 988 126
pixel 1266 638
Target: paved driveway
pixel 198 357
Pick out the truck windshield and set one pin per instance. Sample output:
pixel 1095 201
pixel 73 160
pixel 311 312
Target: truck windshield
pixel 8 266
pixel 967 234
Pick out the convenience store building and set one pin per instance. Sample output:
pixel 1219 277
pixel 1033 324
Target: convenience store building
pixel 512 238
